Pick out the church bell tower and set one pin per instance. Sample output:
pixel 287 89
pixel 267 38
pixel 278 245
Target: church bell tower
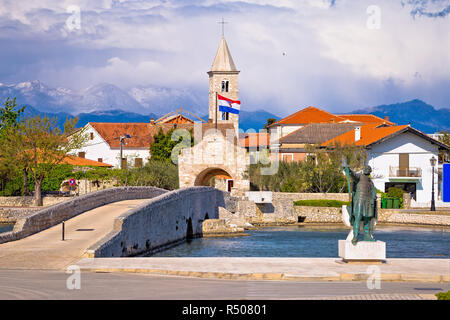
pixel 223 80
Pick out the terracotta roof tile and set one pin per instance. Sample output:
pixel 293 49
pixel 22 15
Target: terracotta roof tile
pixel 82 162
pixel 142 133
pixel 369 134
pixel 365 118
pixel 310 115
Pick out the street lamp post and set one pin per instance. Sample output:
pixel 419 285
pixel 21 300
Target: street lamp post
pixel 127 136
pixel 433 163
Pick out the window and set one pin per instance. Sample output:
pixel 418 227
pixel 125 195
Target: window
pixel 138 162
pixel 225 116
pixel 225 84
pixel 92 136
pixel 82 154
pixel 100 160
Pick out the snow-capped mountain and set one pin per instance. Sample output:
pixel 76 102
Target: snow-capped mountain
pixel 103 97
pixel 153 99
pixel 41 96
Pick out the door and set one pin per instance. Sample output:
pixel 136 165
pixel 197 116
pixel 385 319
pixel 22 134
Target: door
pixel 403 165
pixel 229 185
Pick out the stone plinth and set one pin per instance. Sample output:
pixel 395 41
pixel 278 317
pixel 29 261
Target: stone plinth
pixel 363 251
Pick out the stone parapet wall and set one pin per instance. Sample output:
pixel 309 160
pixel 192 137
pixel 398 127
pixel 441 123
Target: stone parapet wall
pixel 319 214
pixel 161 222
pixel 397 216
pixel 11 215
pixel 334 215
pixel 294 196
pixel 52 215
pixel 28 201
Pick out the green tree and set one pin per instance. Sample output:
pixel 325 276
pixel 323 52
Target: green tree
pixel 321 171
pixel 444 156
pixel 10 117
pixel 269 122
pixel 164 143
pixel 39 144
pixel 445 137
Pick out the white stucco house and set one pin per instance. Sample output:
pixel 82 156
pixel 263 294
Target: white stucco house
pixel 103 143
pixel 400 157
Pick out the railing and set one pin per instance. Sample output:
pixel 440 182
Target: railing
pixel 411 172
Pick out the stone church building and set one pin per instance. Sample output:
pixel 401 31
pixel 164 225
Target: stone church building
pixel 219 154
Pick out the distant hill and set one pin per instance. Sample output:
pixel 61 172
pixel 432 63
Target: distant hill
pixel 421 115
pixel 248 119
pixel 108 103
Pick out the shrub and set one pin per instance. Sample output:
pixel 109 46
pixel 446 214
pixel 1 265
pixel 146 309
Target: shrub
pixel 395 193
pixel 321 203
pixel 443 295
pixel 156 173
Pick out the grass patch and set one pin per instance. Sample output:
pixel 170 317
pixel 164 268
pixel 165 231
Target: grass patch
pixel 321 203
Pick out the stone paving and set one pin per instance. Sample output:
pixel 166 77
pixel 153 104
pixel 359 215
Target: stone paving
pixel 45 250
pixel 291 269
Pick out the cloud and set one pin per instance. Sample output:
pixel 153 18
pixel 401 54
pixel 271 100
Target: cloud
pixel 332 59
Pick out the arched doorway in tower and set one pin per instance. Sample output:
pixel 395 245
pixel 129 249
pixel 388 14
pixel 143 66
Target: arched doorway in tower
pixel 215 177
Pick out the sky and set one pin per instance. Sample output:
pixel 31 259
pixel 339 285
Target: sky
pixel 339 55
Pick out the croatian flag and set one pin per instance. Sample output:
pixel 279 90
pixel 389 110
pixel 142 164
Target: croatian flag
pixel 228 105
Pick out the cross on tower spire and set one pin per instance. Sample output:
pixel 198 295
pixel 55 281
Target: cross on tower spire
pixel 223 22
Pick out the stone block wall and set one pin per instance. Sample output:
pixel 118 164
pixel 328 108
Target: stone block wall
pixel 52 215
pixel 319 214
pixel 294 196
pixel 11 215
pixel 334 215
pixel 28 201
pixel 163 221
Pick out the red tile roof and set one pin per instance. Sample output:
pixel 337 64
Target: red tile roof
pixel 82 162
pixel 370 133
pixel 310 115
pixel 142 134
pixel 365 118
pixel 111 133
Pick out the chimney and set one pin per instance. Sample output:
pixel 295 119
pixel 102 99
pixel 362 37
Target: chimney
pixel 386 118
pixel 152 121
pixel 357 133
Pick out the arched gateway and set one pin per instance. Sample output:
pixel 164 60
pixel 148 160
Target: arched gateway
pixel 214 156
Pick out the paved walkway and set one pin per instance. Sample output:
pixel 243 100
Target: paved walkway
pixel 45 250
pixel 293 269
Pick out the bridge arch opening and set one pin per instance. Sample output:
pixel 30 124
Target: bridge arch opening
pixel 215 177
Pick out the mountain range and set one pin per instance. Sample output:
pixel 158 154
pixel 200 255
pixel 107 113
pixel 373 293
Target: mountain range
pixel 108 103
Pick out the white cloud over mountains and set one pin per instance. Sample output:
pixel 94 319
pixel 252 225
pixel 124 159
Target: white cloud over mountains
pixel 331 58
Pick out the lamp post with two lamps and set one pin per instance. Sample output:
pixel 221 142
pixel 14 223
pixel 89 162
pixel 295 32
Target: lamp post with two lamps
pixel 433 163
pixel 126 136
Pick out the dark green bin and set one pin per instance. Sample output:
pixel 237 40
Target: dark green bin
pixel 396 203
pixel 389 203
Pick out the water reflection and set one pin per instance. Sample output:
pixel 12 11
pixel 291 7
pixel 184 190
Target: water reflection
pixel 6 227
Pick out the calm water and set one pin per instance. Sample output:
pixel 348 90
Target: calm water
pixel 6 227
pixel 311 241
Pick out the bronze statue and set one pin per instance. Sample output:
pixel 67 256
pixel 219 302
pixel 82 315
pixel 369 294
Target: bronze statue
pixel 363 205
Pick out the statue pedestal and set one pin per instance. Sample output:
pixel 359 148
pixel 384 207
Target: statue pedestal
pixel 366 251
